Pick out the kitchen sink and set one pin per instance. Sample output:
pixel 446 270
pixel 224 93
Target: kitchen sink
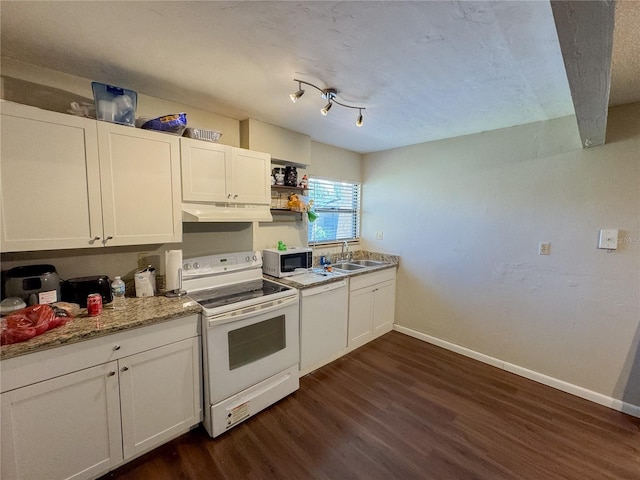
pixel 368 263
pixel 347 266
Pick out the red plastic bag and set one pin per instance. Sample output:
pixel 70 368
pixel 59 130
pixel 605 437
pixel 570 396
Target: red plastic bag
pixel 29 322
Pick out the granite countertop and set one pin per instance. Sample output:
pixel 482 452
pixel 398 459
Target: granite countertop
pixel 392 262
pixel 138 312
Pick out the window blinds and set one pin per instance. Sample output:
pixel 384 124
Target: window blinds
pixel 338 207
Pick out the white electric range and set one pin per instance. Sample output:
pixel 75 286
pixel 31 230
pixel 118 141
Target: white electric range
pixel 250 336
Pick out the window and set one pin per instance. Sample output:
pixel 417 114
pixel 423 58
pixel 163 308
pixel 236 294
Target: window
pixel 338 207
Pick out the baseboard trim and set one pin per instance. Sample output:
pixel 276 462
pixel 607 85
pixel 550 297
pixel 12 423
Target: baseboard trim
pixel 590 395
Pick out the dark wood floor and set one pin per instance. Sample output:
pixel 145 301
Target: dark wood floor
pixel 399 408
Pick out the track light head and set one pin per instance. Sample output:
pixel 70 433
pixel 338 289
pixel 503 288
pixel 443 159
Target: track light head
pixel 295 96
pixel 326 108
pixel 359 121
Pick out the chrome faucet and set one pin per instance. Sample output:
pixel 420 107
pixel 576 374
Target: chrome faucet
pixel 345 246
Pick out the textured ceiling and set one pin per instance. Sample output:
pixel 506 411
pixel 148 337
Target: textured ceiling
pixel 625 63
pixel 423 70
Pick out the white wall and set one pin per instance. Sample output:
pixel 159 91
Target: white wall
pixel 334 163
pixel 466 216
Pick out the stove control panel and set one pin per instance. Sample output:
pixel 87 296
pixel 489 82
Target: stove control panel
pixel 212 264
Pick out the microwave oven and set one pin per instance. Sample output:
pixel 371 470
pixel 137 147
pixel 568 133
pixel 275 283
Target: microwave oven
pixel 284 263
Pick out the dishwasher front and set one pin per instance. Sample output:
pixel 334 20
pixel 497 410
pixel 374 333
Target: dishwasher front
pixel 324 313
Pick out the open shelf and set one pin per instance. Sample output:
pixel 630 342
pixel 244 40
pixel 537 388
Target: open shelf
pixel 284 188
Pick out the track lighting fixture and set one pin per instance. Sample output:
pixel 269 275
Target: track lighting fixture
pixel 329 94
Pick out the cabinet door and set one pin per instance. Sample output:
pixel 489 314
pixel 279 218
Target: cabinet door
pixel 360 317
pixel 250 177
pixel 140 181
pixel 64 428
pixel 205 169
pixel 384 307
pixel 160 394
pixel 50 180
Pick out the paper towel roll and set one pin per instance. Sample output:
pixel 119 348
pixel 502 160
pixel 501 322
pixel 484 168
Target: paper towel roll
pixel 173 269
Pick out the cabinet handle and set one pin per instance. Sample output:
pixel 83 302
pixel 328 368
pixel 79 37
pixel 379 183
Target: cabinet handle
pixel 116 347
pixel 125 368
pixel 111 373
pixel 235 196
pixel 229 195
pixel 95 239
pixel 110 237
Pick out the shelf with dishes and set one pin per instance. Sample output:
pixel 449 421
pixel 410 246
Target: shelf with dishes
pixel 285 188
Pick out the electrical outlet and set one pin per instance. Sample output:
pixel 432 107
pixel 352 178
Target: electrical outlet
pixel 379 235
pixel 544 248
pixel 608 239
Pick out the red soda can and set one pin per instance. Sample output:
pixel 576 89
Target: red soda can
pixel 94 304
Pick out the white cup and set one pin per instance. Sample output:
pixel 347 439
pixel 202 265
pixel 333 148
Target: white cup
pixel 106 110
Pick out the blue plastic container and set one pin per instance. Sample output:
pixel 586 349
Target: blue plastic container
pixel 114 104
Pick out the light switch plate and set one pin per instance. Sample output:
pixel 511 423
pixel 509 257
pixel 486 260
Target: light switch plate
pixel 608 239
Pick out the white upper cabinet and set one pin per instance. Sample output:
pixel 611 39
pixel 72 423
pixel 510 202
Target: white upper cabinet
pixel 250 177
pixel 222 174
pixel 50 179
pixel 204 170
pixel 72 182
pixel 140 184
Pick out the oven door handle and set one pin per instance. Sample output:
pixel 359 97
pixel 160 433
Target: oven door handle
pixel 251 311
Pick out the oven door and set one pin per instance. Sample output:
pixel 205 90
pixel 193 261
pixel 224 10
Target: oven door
pixel 247 346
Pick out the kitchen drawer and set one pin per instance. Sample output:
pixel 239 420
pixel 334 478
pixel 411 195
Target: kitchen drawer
pixel 35 367
pixel 357 282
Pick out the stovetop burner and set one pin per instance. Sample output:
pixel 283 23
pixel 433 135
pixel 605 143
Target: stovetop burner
pixel 231 281
pixel 227 295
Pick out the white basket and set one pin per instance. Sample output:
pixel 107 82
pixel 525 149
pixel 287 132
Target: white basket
pixel 199 134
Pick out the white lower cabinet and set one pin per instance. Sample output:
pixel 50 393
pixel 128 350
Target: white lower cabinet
pixel 158 397
pixel 67 427
pixel 371 306
pixel 81 424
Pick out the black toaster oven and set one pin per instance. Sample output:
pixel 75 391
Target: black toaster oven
pixel 76 290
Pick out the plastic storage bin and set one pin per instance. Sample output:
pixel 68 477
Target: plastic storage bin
pixel 114 104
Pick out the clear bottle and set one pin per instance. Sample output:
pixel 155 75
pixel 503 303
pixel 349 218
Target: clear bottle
pixel 117 290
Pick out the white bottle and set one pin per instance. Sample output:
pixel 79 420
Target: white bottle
pixel 117 290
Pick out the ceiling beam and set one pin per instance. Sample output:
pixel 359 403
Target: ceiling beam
pixel 585 32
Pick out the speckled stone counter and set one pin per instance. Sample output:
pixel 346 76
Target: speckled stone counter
pixel 391 260
pixel 394 260
pixel 138 312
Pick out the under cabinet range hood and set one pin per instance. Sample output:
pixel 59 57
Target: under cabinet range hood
pixel 209 212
